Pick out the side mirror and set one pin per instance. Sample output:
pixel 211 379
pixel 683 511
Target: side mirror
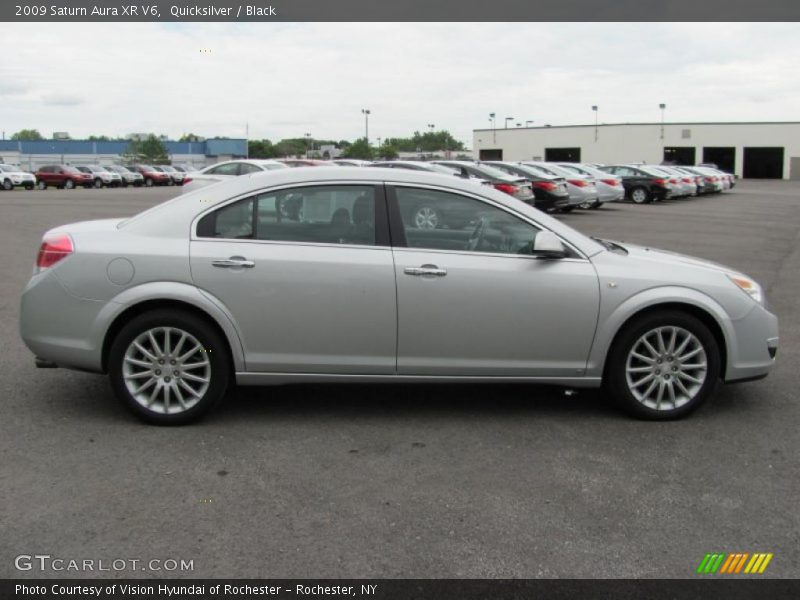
pixel 546 244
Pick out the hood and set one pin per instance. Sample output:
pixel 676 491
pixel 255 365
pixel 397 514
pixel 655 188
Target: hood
pixel 666 257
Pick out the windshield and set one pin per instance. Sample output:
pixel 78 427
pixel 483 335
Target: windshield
pixel 71 170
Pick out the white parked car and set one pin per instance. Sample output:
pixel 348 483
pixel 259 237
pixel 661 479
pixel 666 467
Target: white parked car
pixel 101 176
pixel 226 170
pixel 12 176
pixel 127 177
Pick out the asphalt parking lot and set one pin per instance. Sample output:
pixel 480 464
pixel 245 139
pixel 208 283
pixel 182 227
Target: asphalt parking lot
pixel 410 481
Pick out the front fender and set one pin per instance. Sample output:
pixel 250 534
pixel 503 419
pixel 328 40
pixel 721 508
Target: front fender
pixel 611 323
pixel 177 292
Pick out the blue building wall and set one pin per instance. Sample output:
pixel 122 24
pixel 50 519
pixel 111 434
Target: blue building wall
pixel 234 147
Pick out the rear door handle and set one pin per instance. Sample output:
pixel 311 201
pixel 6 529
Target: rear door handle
pixel 431 270
pixel 233 262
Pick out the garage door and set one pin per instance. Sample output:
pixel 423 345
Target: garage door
pixel 763 163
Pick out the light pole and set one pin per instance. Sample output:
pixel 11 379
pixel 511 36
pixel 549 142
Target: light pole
pixel 308 142
pixel 431 126
pixel 594 108
pixel 366 113
pixel 527 122
pixel 494 128
pixel 662 107
pixel 507 120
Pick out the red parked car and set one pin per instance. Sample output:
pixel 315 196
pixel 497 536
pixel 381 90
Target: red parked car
pixel 62 176
pixel 152 176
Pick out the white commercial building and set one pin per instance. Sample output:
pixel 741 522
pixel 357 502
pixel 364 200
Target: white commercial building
pixel 751 150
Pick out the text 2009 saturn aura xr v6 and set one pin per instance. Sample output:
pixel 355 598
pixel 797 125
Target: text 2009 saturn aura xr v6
pixel 328 275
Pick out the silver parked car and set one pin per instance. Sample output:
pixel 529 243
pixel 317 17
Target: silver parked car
pixel 227 169
pixel 582 189
pixel 127 177
pixel 101 176
pixel 322 275
pixel 609 187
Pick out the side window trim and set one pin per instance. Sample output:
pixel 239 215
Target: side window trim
pixel 381 217
pixel 397 228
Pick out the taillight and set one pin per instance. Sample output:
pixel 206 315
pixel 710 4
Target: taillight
pixel 53 249
pixel 578 182
pixel 673 181
pixel 687 180
pixel 507 188
pixel 186 180
pixel 545 185
pixel 611 181
pixel 661 182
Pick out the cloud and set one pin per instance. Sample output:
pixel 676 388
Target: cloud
pixel 286 79
pixel 11 88
pixel 62 100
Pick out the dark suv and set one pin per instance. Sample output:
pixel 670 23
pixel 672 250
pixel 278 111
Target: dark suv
pixel 641 184
pixel 62 176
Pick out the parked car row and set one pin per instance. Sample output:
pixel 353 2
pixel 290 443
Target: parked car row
pixel 647 183
pixel 69 177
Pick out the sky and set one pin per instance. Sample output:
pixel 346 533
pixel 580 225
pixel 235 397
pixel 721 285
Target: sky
pixel 280 80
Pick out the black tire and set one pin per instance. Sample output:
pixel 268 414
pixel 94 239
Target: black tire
pixel 41 185
pixel 123 183
pixel 69 184
pixel 641 195
pixel 615 381
pixel 98 183
pixel 7 185
pixel 215 348
pixel 148 182
pixel 29 186
pixel 568 209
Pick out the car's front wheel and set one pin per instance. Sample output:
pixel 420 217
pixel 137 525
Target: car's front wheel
pixel 69 184
pixel 169 367
pixel 98 183
pixel 7 185
pixel 41 185
pixel 663 366
pixel 148 182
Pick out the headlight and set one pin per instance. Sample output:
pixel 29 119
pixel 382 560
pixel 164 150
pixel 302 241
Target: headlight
pixel 748 286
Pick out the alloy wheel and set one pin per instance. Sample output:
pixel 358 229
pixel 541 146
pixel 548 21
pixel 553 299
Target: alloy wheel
pixel 426 218
pixel 166 370
pixel 666 368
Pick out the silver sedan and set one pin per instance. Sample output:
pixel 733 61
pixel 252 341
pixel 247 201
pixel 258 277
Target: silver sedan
pixel 322 275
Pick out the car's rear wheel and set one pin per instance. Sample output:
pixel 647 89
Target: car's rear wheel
pixel 426 217
pixel 148 182
pixel 641 195
pixel 663 366
pixel 169 367
pixel 41 185
pixel 29 186
pixel 69 184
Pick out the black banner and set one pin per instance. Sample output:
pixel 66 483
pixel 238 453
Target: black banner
pixel 405 10
pixel 409 589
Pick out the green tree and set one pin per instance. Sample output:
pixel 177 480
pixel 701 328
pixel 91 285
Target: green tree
pixel 291 147
pixel 261 149
pixel 387 151
pixel 190 137
pixel 359 149
pixel 431 141
pixel 149 150
pixel 99 138
pixel 27 135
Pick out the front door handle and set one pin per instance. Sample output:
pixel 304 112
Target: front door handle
pixel 425 270
pixel 233 262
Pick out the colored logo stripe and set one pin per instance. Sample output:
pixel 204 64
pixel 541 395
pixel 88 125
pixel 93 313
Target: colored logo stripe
pixel 734 562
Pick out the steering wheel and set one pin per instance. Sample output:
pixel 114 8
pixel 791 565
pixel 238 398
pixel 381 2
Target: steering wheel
pixel 476 237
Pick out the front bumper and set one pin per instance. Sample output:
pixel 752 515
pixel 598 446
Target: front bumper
pixel 752 352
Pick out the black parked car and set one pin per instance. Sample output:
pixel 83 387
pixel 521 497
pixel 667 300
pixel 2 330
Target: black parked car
pixel 549 192
pixel 641 184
